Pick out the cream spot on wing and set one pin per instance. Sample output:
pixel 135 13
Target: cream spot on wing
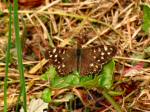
pixel 111 49
pixel 91 65
pixel 96 66
pixel 102 53
pixel 55 60
pixel 58 67
pixel 59 70
pixel 95 70
pixel 50 55
pixel 108 53
pixel 105 48
pixel 63 52
pixel 98 60
pixel 99 49
pixel 102 57
pixel 56 56
pixel 54 50
pixel 94 50
pixel 59 51
pixel 63 65
pixel 94 57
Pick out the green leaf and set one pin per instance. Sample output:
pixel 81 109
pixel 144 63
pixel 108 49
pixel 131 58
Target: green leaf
pixel 58 82
pixel 146 24
pixel 49 74
pixel 86 78
pixel 46 95
pixel 72 79
pixel 89 81
pixel 106 79
pixel 67 81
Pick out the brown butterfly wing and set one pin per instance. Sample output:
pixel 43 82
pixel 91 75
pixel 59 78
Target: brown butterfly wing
pixel 64 59
pixel 93 58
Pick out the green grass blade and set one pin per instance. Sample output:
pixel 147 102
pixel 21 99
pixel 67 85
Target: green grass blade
pixel 7 59
pixel 19 55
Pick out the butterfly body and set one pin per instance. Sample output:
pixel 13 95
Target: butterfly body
pixel 84 60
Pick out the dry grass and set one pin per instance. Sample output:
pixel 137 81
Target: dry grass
pixel 114 22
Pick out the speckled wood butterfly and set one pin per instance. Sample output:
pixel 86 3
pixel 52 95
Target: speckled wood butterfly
pixel 84 60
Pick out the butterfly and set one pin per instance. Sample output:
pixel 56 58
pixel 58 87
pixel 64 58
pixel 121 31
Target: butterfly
pixel 84 60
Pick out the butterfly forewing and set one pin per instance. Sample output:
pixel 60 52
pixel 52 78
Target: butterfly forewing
pixel 93 58
pixel 64 59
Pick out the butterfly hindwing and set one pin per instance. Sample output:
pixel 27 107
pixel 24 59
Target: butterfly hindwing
pixel 93 58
